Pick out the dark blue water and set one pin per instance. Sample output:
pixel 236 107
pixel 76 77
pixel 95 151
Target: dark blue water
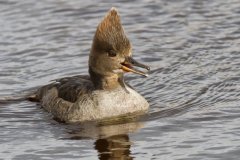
pixel 192 46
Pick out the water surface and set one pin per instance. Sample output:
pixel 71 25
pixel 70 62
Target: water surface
pixel 192 47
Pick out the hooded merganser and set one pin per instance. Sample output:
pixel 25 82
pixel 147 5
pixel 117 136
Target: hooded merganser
pixel 104 93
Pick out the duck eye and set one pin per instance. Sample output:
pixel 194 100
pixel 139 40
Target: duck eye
pixel 112 53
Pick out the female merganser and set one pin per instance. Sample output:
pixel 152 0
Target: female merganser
pixel 104 93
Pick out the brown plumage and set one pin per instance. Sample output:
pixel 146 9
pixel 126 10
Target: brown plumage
pixel 104 93
pixel 110 35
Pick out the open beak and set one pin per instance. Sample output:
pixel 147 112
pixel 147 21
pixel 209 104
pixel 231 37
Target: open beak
pixel 128 64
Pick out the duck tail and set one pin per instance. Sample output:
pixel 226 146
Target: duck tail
pixel 22 96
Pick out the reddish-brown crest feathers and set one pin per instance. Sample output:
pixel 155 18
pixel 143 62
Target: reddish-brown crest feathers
pixel 110 33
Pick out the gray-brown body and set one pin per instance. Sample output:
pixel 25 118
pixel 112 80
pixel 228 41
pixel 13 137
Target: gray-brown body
pixel 75 99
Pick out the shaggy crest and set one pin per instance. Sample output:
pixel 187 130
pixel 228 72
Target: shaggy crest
pixel 110 33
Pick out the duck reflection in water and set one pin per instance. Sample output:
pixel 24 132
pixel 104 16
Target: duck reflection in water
pixel 112 140
pixel 114 147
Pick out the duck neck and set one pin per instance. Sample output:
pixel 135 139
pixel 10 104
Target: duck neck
pixel 104 82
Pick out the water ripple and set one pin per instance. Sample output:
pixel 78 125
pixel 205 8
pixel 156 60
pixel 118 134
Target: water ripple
pixel 193 87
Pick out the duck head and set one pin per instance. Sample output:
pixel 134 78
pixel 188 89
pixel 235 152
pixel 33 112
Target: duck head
pixel 111 52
